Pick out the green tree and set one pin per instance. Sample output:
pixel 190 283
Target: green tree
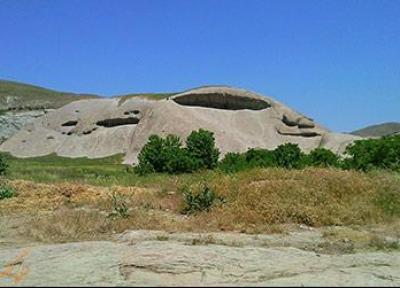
pixel 201 146
pixel 150 157
pixel 289 156
pixel 323 158
pixel 383 153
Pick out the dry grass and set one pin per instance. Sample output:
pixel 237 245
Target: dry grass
pixel 257 201
pixel 314 197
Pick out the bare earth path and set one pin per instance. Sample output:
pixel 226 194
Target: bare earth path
pixel 158 258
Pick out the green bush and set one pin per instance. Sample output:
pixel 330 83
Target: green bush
pixel 322 157
pixel 233 162
pixel 201 147
pixel 175 158
pixel 150 157
pixel 119 205
pixel 3 165
pixel 198 202
pixel 260 158
pixel 164 155
pixel 167 155
pixel 6 192
pixel 289 156
pixel 383 153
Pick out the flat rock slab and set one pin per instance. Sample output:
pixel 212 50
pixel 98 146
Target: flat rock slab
pixel 173 262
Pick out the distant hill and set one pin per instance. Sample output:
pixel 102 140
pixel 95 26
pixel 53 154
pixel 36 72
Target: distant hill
pixel 379 130
pixel 20 96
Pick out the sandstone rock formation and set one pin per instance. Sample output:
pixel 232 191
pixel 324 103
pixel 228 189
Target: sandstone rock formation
pixel 102 127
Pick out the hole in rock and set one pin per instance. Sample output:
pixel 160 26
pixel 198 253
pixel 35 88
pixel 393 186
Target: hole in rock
pixel 132 112
pixel 301 134
pixel 70 123
pixel 112 122
pixel 222 101
pixel 87 132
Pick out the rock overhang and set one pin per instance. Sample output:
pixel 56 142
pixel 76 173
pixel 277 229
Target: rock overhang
pixel 222 97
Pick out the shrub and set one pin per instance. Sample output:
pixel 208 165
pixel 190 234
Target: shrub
pixel 6 192
pixel 3 165
pixel 199 202
pixel 119 206
pixel 260 158
pixel 289 156
pixel 233 162
pixel 370 154
pixel 150 157
pixel 322 157
pixel 201 146
pixel 164 155
pixel 167 155
pixel 174 158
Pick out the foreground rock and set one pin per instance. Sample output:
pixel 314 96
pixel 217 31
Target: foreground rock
pixel 102 127
pixel 160 259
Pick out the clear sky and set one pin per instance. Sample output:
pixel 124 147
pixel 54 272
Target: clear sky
pixel 335 61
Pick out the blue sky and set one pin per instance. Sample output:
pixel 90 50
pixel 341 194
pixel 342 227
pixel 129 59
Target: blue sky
pixel 336 61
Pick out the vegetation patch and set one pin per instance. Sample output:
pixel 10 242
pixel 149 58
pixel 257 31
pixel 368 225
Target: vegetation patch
pixel 202 200
pixel 6 192
pixel 168 155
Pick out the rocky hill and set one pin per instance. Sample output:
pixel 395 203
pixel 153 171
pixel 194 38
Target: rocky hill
pixel 240 119
pixel 22 103
pixel 384 129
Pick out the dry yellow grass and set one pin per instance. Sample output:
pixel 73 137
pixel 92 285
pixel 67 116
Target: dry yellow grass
pixel 257 201
pixel 312 196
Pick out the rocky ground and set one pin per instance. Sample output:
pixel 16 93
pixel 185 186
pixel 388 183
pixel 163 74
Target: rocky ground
pixel 157 258
pixel 69 234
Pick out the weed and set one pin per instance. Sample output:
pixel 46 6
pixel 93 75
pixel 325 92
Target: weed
pixel 119 206
pixel 199 202
pixel 6 192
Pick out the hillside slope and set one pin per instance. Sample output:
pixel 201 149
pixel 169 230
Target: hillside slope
pixel 22 103
pixel 379 130
pixel 20 96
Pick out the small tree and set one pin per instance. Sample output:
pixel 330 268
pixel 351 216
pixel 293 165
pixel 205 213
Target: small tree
pixel 323 158
pixel 289 156
pixel 150 157
pixel 164 155
pixel 201 146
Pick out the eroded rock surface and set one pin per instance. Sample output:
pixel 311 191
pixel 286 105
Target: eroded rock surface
pixel 12 122
pixel 156 258
pixel 240 120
